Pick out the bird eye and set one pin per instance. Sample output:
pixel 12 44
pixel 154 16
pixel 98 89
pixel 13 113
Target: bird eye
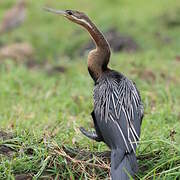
pixel 69 12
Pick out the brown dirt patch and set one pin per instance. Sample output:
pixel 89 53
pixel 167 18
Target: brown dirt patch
pixel 23 177
pixel 145 74
pixel 178 58
pixel 4 135
pixel 5 150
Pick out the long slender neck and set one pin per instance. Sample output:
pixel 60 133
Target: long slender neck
pixel 98 58
pixel 98 37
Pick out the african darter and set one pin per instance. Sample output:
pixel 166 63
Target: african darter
pixel 118 110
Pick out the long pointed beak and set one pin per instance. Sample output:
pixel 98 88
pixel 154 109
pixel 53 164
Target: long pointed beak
pixel 55 11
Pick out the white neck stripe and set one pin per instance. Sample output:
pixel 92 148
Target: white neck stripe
pixel 82 20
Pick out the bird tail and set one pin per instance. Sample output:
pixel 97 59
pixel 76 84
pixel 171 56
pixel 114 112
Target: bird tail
pixel 123 165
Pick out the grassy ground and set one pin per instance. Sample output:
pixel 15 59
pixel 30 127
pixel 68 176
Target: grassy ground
pixel 43 112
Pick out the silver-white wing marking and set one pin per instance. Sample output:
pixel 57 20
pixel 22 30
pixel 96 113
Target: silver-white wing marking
pixel 122 95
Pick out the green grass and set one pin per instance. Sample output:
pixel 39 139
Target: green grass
pixel 41 109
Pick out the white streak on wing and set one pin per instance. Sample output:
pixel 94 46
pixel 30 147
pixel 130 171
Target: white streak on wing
pixel 116 84
pixel 134 131
pixel 134 91
pixel 115 93
pixel 135 102
pixel 128 130
pixel 131 125
pixel 131 143
pixel 125 113
pixel 136 96
pixel 135 141
pixel 120 94
pixel 121 87
pixel 82 20
pixel 121 100
pixel 114 105
pixel 120 132
pixel 121 105
pixel 107 108
pixel 132 112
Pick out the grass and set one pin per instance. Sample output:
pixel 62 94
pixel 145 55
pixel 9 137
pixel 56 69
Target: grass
pixel 44 112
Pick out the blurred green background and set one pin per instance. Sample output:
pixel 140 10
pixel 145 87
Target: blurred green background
pixel 48 94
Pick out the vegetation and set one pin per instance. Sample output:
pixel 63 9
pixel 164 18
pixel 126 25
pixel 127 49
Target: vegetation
pixel 41 112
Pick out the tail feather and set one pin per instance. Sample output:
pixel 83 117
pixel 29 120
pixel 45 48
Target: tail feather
pixel 123 166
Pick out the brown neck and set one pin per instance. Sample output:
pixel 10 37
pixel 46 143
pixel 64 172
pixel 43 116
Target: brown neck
pixel 97 37
pixel 98 58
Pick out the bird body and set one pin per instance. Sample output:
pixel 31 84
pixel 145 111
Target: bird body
pixel 13 17
pixel 118 110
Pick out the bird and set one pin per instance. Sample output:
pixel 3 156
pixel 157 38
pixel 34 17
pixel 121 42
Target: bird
pixel 13 17
pixel 118 108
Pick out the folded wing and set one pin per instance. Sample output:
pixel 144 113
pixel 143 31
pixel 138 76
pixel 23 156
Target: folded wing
pixel 119 111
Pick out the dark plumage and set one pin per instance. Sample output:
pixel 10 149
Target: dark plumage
pixel 117 115
pixel 118 110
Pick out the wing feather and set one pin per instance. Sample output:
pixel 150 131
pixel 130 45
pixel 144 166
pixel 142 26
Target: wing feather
pixel 118 102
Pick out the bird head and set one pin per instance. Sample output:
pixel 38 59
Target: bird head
pixel 74 16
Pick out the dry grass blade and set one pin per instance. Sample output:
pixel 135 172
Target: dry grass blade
pixel 99 163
